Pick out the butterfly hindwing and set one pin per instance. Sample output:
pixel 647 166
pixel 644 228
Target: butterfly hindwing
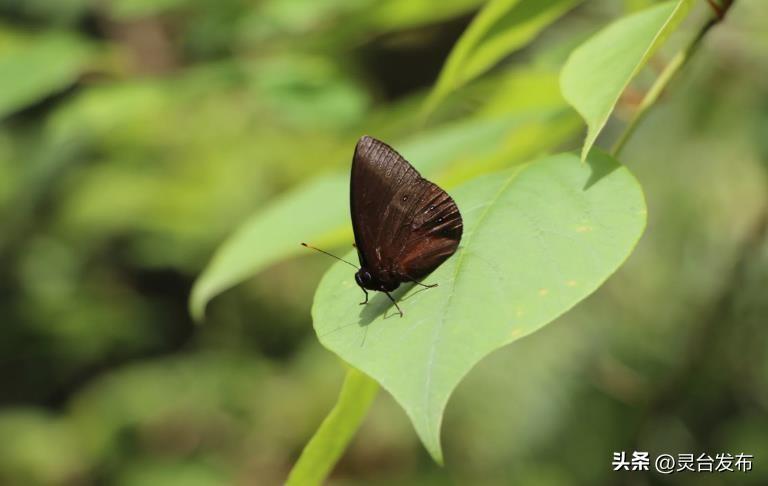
pixel 436 227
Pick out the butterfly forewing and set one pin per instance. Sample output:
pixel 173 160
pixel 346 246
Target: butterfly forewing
pixel 378 172
pixel 405 226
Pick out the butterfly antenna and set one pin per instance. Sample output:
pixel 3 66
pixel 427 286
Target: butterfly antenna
pixel 330 255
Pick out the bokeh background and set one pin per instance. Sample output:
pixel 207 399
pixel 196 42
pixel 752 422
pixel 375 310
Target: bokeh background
pixel 135 135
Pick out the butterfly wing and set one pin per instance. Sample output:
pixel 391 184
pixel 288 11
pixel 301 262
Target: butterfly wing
pixel 377 174
pixel 405 226
pixel 432 234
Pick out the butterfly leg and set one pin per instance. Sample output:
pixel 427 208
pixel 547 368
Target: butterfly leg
pixel 419 283
pixel 395 302
pixel 425 285
pixel 366 297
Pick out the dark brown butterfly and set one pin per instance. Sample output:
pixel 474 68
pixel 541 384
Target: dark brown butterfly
pixel 405 226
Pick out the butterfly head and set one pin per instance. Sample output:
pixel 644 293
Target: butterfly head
pixel 364 279
pixel 382 283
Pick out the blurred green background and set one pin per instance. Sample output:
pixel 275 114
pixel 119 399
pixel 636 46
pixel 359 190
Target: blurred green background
pixel 135 135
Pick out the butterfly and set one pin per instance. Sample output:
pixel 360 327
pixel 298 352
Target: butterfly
pixel 405 226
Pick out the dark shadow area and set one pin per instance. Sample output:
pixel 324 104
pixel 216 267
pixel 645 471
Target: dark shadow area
pixel 402 62
pixel 379 304
pixel 601 164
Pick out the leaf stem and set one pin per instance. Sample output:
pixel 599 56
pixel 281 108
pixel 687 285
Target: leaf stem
pixel 332 437
pixel 666 76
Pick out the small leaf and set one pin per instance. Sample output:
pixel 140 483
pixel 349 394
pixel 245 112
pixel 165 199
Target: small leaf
pixel 499 29
pixel 318 212
pixel 35 67
pixel 538 239
pixel 599 70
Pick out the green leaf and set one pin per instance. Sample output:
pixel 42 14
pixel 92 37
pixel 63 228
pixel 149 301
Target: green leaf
pixel 32 68
pixel 329 442
pixel 500 28
pixel 274 234
pixel 599 70
pixel 318 212
pixel 537 239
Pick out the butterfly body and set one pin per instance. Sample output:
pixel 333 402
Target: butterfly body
pixel 405 226
pixel 384 283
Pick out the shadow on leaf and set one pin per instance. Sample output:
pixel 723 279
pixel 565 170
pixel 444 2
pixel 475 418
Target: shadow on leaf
pixel 379 304
pixel 601 164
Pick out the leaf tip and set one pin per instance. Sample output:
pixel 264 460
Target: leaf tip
pixel 435 451
pixel 197 303
pixel 429 433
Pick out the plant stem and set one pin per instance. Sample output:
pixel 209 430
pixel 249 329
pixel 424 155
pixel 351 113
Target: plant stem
pixel 332 437
pixel 666 76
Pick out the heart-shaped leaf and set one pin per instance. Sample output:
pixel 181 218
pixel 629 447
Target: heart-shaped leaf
pixel 599 70
pixel 538 239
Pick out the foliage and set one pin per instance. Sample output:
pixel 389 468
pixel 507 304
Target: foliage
pixel 500 28
pixel 153 150
pixel 538 238
pixel 61 56
pixel 599 70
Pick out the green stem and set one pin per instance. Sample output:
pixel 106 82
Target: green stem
pixel 661 83
pixel 331 439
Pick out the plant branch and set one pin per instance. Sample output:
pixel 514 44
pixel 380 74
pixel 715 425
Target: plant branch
pixel 332 437
pixel 666 76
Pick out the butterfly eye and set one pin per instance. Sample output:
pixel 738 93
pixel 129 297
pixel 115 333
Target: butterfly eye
pixel 363 277
pixel 405 198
